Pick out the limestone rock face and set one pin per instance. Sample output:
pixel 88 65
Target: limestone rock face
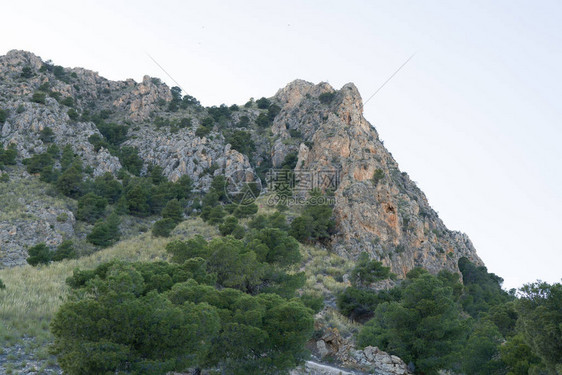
pixel 185 154
pixel 32 218
pixel 389 217
pixel 143 98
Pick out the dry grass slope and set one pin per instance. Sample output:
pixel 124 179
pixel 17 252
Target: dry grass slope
pixel 33 295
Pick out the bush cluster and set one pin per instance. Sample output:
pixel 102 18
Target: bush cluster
pixel 41 254
pixel 316 222
pixel 213 307
pixel 8 155
pixel 436 323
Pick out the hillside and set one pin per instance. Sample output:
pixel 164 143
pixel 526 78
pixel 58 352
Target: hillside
pixel 323 128
pixel 143 233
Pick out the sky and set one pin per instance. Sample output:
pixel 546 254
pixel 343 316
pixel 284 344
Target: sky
pixel 474 117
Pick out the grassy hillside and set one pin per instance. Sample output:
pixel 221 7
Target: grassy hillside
pixel 33 294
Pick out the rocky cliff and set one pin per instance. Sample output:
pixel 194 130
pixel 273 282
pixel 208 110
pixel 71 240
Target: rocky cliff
pixel 378 209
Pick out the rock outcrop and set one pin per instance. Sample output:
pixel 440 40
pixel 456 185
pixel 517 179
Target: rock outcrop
pixel 378 208
pixel 369 360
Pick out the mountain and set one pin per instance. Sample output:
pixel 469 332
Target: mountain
pixel 318 130
pixel 141 232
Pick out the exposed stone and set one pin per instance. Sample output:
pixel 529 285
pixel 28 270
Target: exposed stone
pixel 390 219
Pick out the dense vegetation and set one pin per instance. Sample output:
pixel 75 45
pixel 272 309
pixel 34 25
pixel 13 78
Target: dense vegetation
pixel 226 303
pixel 434 322
pixel 235 303
pixel 103 199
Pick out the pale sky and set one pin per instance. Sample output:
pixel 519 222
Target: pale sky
pixel 474 117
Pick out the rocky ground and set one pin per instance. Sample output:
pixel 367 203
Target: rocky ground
pixel 19 359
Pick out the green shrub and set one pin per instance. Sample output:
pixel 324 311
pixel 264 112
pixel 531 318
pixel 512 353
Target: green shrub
pixel 314 302
pixel 424 326
pixel 105 233
pixel 540 322
pixel 72 114
pixel 3 116
pixel 47 135
pixel 301 228
pixel 173 211
pixel 91 207
pixel 316 223
pixel 359 304
pixel 163 227
pixel 229 225
pixel 48 174
pixel 272 112
pixel 38 97
pixel 290 161
pixel 130 159
pixel 202 131
pixel 70 181
pixel 189 100
pixel 27 72
pixel 378 176
pixel 295 133
pixel 182 187
pixel 327 97
pixel 114 133
pixel 275 220
pixel 108 187
pixel 368 271
pixel 68 158
pixel 219 114
pixel 241 141
pixel 54 151
pixel 68 101
pixel 155 172
pixel 39 254
pixel 137 197
pixel 272 245
pixel 38 162
pixel 243 122
pixel 245 210
pixel 263 103
pixel 62 217
pixel 157 318
pixel 216 215
pixel 185 122
pixel 482 289
pixel 263 120
pixel 519 358
pixel 55 95
pixel 2 285
pixel 60 74
pixel 8 156
pixel 64 251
